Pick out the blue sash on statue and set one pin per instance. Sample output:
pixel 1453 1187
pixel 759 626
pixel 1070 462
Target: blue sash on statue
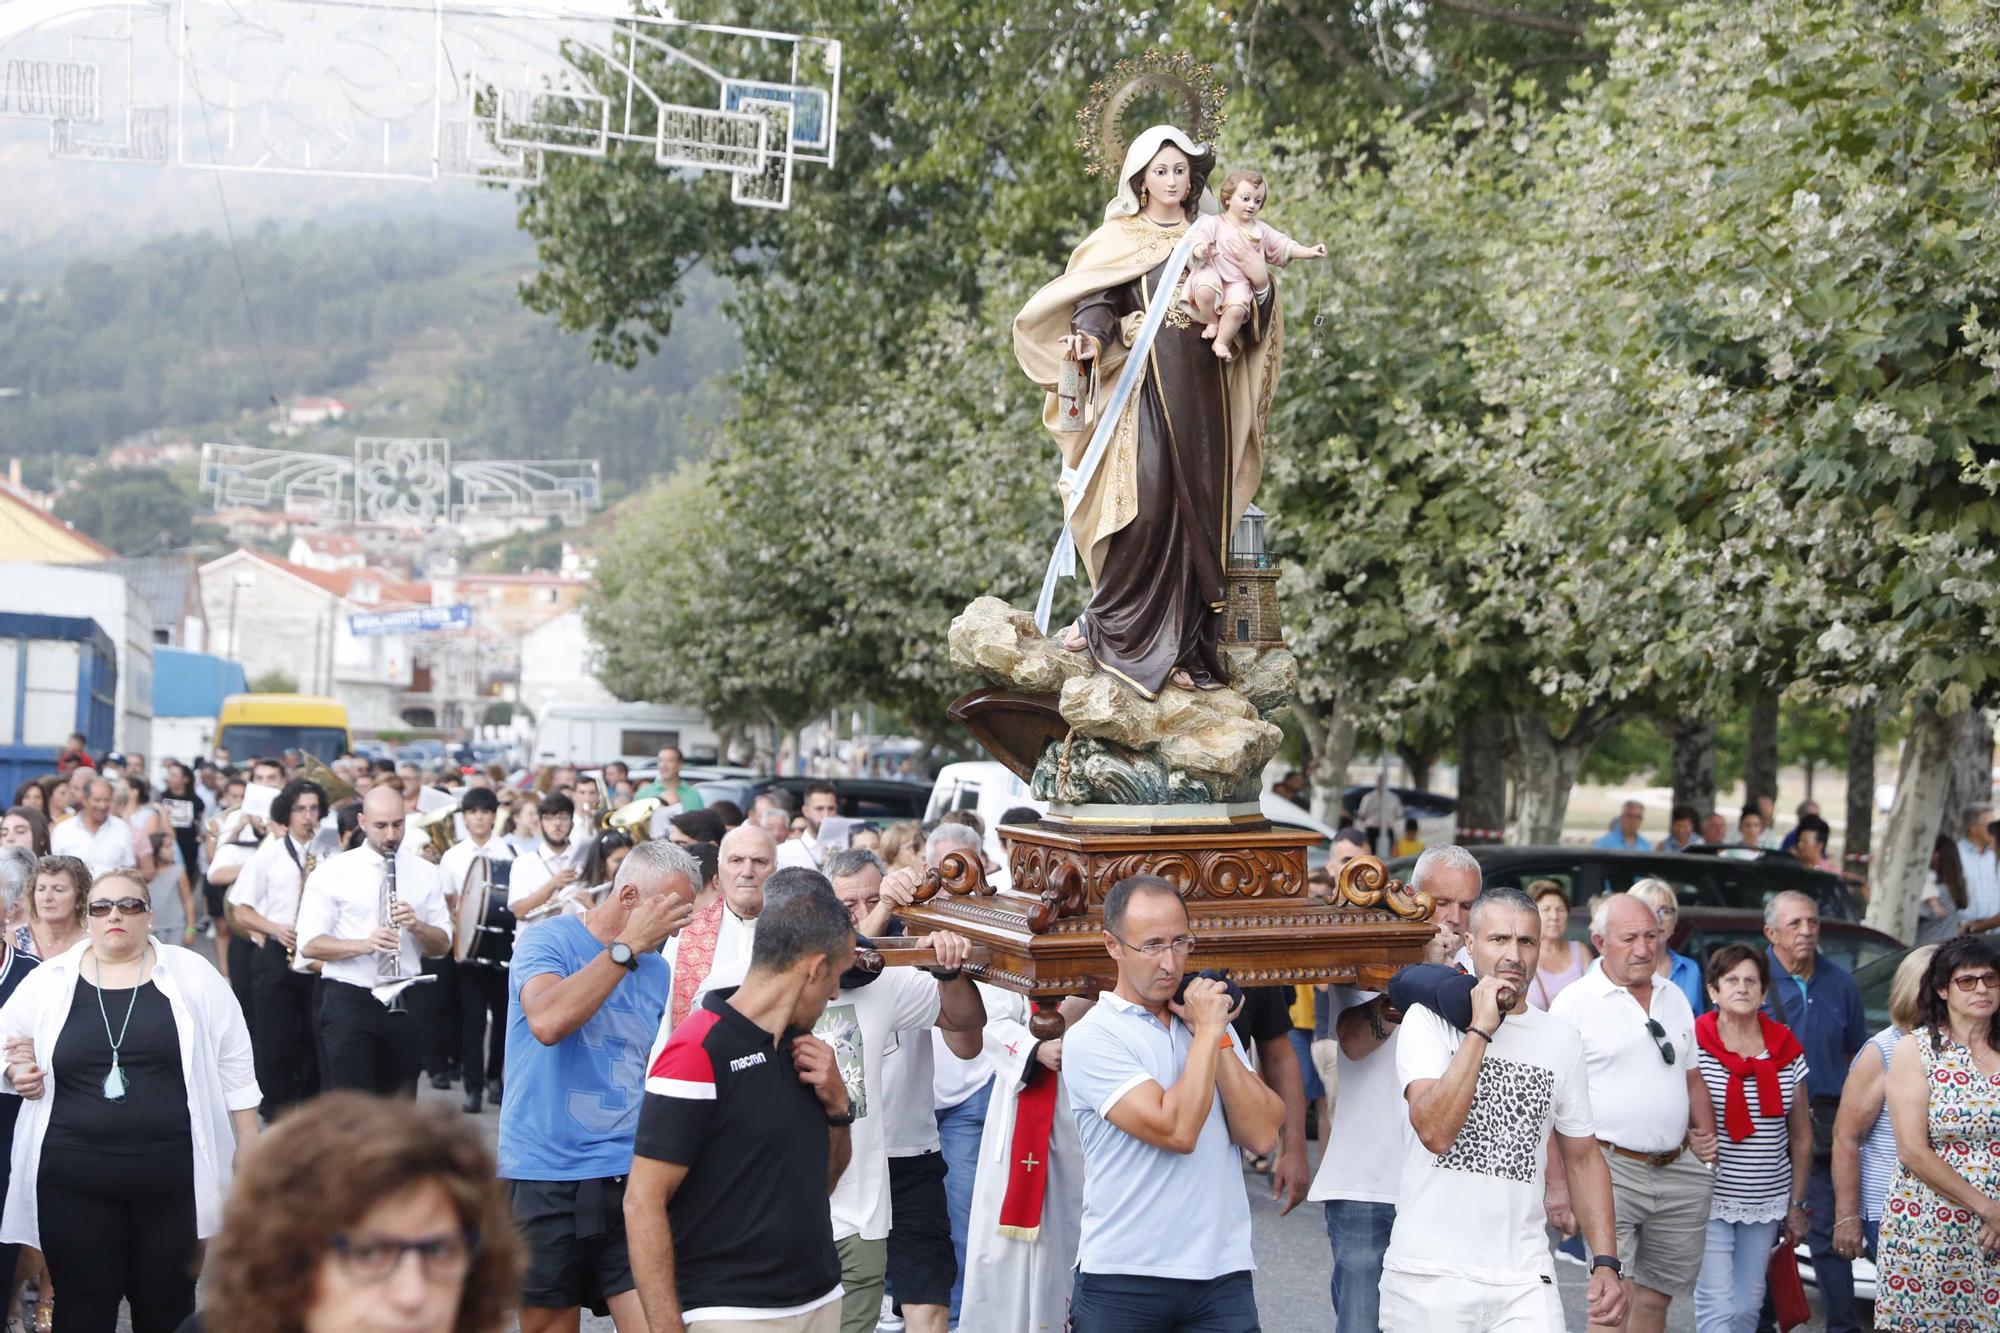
pixel 1062 562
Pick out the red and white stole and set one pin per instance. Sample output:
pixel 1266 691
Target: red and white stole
pixel 694 959
pixel 1028 1156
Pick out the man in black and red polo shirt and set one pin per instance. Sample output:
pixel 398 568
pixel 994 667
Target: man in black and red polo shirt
pixel 741 1138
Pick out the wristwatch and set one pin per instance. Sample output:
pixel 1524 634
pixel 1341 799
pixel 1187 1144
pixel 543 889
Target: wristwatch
pixel 1609 1261
pixel 621 954
pixel 842 1121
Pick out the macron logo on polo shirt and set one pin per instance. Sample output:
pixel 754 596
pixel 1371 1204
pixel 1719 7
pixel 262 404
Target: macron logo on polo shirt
pixel 683 1068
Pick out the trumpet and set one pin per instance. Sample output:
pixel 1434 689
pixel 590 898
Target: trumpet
pixel 634 818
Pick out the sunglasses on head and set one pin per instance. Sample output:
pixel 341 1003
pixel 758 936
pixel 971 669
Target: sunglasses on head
pixel 124 906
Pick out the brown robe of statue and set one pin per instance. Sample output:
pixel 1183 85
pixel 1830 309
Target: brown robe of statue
pixel 1159 602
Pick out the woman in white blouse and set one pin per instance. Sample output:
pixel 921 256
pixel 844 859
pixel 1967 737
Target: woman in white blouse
pixel 136 1064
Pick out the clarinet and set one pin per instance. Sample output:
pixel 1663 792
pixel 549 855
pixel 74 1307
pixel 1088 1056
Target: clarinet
pixel 305 873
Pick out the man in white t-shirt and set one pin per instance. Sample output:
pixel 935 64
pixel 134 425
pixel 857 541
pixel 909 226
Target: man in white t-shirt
pixel 921 1263
pixel 95 836
pixel 821 803
pixel 1359 1173
pixel 1655 1122
pixel 1468 1252
pixel 1980 863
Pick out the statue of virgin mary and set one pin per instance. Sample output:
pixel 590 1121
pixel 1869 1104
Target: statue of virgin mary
pixel 1173 447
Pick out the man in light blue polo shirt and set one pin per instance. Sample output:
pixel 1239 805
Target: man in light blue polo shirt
pixel 1163 1098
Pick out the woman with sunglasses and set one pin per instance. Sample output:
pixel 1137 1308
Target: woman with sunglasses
pixel 136 1066
pixel 408 1230
pixel 1938 1260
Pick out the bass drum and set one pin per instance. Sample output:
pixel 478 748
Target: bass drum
pixel 485 935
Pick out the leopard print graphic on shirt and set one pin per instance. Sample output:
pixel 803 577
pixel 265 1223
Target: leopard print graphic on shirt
pixel 1503 1134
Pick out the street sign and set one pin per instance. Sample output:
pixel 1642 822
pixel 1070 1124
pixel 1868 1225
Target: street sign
pixel 415 620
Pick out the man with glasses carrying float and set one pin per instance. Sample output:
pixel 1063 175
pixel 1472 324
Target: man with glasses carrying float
pixel 1163 1097
pixel 1655 1123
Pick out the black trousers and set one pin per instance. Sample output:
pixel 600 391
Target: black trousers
pixel 365 1045
pixel 242 969
pixel 435 1005
pixel 115 1227
pixel 482 1044
pixel 286 1043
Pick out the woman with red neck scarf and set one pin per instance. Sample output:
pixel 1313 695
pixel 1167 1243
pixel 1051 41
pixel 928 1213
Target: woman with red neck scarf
pixel 1756 1075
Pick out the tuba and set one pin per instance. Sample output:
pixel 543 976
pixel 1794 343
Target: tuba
pixel 330 782
pixel 634 819
pixel 437 825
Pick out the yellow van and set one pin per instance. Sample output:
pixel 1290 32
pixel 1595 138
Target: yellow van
pixel 267 725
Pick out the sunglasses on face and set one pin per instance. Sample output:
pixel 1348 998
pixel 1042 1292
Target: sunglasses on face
pixel 123 906
pixel 1659 1036
pixel 1977 981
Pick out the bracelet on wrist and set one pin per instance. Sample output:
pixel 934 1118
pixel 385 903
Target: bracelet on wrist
pixel 1481 1031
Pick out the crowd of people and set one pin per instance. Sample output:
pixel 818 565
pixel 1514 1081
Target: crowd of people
pixel 711 1117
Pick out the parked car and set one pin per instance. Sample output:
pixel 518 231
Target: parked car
pixel 1699 881
pixel 1436 814
pixel 878 799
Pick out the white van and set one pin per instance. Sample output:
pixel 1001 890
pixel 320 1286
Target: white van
pixel 589 734
pixel 991 789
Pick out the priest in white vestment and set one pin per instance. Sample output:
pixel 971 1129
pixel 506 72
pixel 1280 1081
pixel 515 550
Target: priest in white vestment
pixel 1019 1258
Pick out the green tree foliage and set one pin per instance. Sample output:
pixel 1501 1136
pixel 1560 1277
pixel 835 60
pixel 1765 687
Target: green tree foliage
pixel 890 482
pixel 134 511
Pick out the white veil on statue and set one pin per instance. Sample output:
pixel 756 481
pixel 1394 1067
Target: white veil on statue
pixel 1125 204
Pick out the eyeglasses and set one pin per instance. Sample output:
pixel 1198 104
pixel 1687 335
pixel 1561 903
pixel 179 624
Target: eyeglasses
pixel 373 1258
pixel 1978 981
pixel 1180 944
pixel 1659 1036
pixel 123 906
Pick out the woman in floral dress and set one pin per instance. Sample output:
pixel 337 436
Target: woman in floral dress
pixel 1939 1257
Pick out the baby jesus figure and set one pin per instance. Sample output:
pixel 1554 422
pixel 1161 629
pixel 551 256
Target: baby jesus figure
pixel 1218 288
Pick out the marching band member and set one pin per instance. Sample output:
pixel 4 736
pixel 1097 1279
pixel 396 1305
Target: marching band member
pixel 265 898
pixel 553 866
pixel 482 985
pixel 371 916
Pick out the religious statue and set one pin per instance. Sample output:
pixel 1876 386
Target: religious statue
pixel 1172 452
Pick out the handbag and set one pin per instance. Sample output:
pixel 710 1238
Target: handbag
pixel 1786 1288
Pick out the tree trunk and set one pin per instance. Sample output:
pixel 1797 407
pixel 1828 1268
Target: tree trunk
pixel 1970 778
pixel 1860 789
pixel 1417 765
pixel 1913 824
pixel 1760 767
pixel 1329 733
pixel 1694 767
pixel 1482 779
pixel 1548 765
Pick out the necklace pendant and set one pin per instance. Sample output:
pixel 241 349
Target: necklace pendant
pixel 114 1084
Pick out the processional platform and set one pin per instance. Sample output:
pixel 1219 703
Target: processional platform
pixel 1243 880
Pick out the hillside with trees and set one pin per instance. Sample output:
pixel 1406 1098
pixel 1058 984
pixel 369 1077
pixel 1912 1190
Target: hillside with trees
pixel 414 324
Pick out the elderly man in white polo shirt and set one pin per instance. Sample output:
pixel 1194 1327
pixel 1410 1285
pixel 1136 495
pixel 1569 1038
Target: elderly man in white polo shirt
pixel 95 836
pixel 1163 1097
pixel 1655 1123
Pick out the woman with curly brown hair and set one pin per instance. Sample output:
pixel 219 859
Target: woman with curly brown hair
pixel 407 1227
